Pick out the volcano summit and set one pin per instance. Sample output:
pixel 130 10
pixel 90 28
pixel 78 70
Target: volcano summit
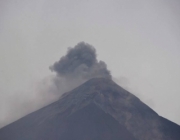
pixel 99 109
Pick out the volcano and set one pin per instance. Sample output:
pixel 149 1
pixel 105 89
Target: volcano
pixel 99 109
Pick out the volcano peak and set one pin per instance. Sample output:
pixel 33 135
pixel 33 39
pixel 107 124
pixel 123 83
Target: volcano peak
pixel 99 109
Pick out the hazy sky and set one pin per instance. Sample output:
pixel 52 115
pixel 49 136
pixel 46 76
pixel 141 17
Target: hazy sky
pixel 139 40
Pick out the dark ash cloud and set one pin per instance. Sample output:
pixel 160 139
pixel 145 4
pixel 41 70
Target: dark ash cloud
pixel 81 62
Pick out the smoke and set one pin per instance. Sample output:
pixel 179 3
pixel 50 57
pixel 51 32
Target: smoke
pixel 77 66
pixel 81 62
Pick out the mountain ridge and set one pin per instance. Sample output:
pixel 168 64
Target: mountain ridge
pixel 125 108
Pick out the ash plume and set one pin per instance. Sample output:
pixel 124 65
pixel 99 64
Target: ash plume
pixel 81 62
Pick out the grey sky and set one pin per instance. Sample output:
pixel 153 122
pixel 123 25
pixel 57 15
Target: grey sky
pixel 139 41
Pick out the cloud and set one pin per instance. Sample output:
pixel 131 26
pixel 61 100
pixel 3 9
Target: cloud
pixel 81 62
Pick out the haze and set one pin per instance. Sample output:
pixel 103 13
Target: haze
pixel 138 40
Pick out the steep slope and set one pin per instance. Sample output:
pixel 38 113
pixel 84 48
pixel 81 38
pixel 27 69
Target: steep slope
pixel 98 109
pixel 170 129
pixel 89 123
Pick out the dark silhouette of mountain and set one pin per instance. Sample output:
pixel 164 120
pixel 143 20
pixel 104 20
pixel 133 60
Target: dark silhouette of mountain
pixel 99 109
pixel 170 129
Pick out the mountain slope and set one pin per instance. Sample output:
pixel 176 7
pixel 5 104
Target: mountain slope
pixel 170 129
pixel 98 109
